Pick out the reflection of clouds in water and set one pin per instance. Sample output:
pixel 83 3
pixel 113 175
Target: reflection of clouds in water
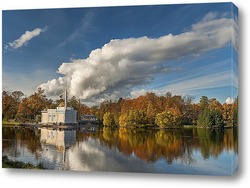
pixel 95 154
pixel 92 156
pixel 51 158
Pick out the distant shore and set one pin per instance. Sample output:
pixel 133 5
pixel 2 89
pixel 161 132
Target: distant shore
pixel 39 125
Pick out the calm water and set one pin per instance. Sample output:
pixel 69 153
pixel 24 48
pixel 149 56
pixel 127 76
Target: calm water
pixel 187 151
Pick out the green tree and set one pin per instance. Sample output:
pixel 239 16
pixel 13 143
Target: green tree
pixel 73 102
pixel 204 119
pixel 235 117
pixel 108 119
pixel 169 118
pixel 216 118
pixel 123 120
pixel 203 102
pixel 136 118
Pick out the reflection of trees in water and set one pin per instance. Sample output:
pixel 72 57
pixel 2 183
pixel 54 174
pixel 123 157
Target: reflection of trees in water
pixel 152 145
pixel 24 137
pixel 147 145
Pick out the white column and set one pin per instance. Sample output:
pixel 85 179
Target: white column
pixel 66 99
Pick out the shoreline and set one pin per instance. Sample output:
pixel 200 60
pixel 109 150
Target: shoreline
pixel 30 125
pixel 8 163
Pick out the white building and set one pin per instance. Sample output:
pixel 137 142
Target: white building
pixel 60 115
pixel 89 118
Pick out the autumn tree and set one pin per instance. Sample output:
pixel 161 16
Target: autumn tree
pixel 235 112
pixel 123 120
pixel 136 118
pixel 24 110
pixel 108 119
pixel 214 104
pixel 9 106
pixel 227 113
pixel 33 105
pixel 151 112
pixel 169 118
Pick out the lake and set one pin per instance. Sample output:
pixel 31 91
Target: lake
pixel 183 151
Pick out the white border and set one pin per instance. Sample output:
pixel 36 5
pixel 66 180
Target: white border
pixel 31 178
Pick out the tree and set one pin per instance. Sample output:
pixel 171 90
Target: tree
pixel 169 118
pixel 151 113
pixel 73 102
pixel 227 113
pixel 136 118
pixel 108 119
pixel 123 120
pixel 216 118
pixel 33 105
pixel 214 104
pixel 9 106
pixel 168 95
pixel 188 110
pixel 24 111
pixel 203 102
pixel 235 112
pixel 204 119
pixel 235 117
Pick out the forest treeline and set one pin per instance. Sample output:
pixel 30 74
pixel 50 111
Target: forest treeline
pixel 148 110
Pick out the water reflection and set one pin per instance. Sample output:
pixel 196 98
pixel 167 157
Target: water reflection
pixel 60 138
pixel 130 150
pixel 55 144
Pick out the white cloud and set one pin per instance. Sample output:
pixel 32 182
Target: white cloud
pixel 23 40
pixel 229 100
pixel 84 28
pixel 137 93
pixel 209 16
pixel 122 64
pixel 214 80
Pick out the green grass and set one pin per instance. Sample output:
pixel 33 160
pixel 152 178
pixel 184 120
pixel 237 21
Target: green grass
pixel 10 123
pixel 188 126
pixel 7 163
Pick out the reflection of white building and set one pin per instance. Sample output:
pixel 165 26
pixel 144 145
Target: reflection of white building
pixel 55 144
pixel 59 138
pixel 62 114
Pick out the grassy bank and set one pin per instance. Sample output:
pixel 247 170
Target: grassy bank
pixel 7 163
pixel 10 123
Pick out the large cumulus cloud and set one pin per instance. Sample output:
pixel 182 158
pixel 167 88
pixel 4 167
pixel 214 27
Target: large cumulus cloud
pixel 122 64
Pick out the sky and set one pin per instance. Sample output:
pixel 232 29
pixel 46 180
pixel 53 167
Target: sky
pixel 105 53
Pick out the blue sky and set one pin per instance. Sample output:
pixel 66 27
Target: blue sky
pixel 111 52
